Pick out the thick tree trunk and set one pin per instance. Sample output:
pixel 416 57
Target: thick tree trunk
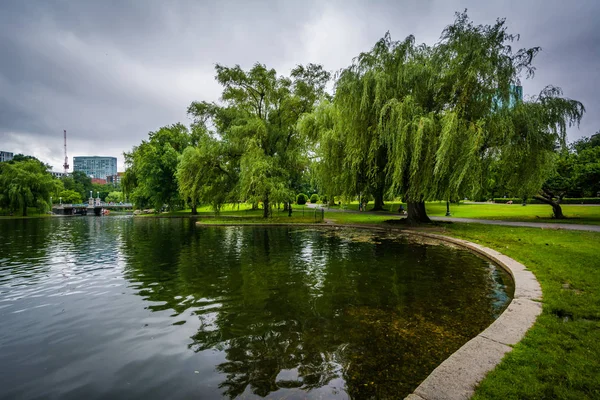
pixel 417 213
pixel 266 206
pixel 379 183
pixel 285 206
pixel 194 209
pixel 378 195
pixel 557 212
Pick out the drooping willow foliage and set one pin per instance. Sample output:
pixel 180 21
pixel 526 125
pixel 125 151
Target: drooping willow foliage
pixel 426 122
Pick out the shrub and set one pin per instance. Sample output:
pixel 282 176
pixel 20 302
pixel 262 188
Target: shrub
pixel 314 199
pixel 70 197
pixel 301 199
pixel 581 200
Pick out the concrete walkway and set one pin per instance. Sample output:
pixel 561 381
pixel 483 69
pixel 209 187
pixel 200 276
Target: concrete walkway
pixel 542 225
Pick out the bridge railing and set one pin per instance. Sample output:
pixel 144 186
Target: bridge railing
pixel 85 205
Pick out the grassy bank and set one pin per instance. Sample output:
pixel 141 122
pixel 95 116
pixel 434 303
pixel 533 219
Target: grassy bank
pixel 577 214
pixel 32 212
pixel 558 358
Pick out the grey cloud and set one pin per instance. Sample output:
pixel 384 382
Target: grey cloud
pixel 109 72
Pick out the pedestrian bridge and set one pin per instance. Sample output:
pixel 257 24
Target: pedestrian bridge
pixel 93 207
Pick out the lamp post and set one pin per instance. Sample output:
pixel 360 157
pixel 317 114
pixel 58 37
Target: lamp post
pixel 91 194
pixel 60 200
pixel 447 208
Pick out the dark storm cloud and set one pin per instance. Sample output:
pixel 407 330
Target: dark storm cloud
pixel 111 71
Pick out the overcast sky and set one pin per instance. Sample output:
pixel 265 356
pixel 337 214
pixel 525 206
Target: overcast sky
pixel 109 72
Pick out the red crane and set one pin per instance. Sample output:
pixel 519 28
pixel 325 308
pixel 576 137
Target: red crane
pixel 66 164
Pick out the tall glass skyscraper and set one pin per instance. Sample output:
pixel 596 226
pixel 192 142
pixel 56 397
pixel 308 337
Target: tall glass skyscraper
pixel 95 166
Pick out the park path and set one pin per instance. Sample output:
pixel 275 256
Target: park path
pixel 543 225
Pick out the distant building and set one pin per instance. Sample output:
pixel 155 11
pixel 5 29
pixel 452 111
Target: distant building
pixel 115 179
pixel 99 181
pixel 516 96
pixel 58 174
pixel 6 156
pixel 95 166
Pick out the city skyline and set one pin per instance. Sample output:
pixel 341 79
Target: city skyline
pixel 111 74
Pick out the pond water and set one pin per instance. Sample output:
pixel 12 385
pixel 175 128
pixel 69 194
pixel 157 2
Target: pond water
pixel 121 307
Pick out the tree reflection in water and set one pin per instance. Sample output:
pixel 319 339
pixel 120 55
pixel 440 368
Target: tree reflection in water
pixel 296 311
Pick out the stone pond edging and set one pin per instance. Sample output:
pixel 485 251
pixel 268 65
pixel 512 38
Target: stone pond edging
pixel 458 375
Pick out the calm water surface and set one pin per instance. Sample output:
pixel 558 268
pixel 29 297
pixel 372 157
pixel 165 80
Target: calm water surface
pixel 122 308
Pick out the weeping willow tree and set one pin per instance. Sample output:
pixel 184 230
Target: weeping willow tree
pixel 426 122
pixel 254 134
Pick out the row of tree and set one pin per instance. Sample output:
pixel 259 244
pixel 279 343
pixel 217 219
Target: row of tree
pixel 410 120
pixel 25 182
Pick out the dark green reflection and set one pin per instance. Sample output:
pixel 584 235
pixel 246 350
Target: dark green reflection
pixel 296 310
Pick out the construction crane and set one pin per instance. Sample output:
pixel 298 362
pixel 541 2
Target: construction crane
pixel 66 164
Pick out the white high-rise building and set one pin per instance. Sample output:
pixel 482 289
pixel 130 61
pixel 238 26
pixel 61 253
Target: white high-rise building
pixel 6 156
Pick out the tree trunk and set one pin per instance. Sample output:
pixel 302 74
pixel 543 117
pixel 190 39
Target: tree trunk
pixel 557 211
pixel 285 205
pixel 194 210
pixel 379 182
pixel 25 210
pixel 417 213
pixel 555 204
pixel 378 195
pixel 266 207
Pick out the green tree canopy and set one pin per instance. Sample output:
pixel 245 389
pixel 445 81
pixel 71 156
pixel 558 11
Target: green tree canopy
pixel 70 197
pixel 79 182
pixel 426 122
pixel 149 178
pixel 254 133
pixel 114 197
pixel 26 183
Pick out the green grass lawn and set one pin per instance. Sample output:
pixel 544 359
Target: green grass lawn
pixel 229 214
pixel 559 358
pixel 32 212
pixel 577 214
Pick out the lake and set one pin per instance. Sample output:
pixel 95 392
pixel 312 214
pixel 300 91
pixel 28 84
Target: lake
pixel 123 307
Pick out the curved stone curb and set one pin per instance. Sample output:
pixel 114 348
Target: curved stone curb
pixel 459 374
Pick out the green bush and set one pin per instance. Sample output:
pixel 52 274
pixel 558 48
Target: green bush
pixel 581 200
pixel 69 197
pixel 301 199
pixel 314 199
